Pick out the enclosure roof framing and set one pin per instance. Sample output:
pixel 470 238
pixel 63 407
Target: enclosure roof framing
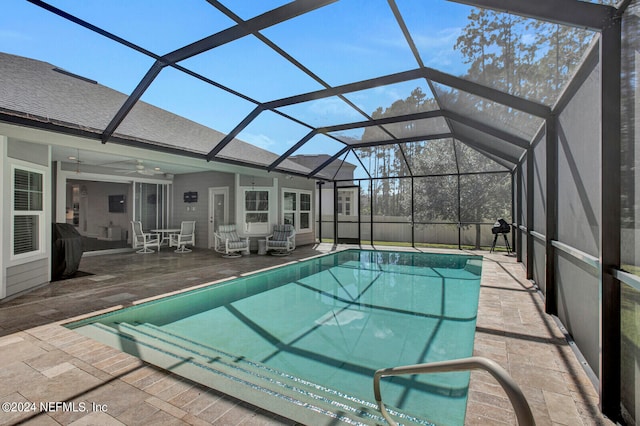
pixel 492 94
pixel 262 27
pixel 260 22
pixel 565 12
pixel 430 74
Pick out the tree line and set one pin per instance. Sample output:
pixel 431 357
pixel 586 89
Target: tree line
pixel 524 57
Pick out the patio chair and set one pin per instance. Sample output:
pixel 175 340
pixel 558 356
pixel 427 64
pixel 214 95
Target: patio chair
pixel 186 236
pixel 143 239
pixel 228 243
pixel 283 239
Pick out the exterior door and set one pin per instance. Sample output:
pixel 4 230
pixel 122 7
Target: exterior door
pixel 347 214
pixel 218 210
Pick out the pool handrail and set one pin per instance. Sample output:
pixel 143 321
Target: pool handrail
pixel 518 401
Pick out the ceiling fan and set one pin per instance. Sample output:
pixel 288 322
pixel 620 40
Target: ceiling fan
pixel 141 169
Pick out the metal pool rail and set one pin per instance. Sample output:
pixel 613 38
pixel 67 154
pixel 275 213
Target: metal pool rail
pixel 519 402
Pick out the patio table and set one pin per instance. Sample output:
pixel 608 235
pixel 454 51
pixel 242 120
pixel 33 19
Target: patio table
pixel 165 233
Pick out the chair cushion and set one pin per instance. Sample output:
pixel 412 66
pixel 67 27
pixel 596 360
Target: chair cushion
pixel 281 232
pixel 226 228
pixel 278 243
pixel 231 236
pixel 228 232
pixel 237 244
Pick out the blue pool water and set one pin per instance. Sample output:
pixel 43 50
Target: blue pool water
pixel 312 334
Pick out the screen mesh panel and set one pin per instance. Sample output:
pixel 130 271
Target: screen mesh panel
pixel 472 161
pixel 485 198
pixel 383 161
pixel 491 144
pixel 431 157
pixel 489 112
pixel 436 199
pixel 578 168
pixel 539 186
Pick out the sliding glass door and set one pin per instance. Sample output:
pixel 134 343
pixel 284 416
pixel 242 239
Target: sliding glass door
pixel 152 205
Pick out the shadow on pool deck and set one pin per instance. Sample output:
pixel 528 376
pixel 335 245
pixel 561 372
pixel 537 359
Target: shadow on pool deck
pixel 43 362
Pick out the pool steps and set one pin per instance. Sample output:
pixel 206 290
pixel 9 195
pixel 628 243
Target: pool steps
pixel 232 375
pixel 474 266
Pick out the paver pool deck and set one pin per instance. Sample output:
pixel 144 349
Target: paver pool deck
pixel 85 382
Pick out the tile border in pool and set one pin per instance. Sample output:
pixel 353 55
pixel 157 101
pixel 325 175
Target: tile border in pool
pixel 78 321
pixel 95 314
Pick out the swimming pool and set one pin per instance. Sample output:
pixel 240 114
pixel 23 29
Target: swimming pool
pixel 312 334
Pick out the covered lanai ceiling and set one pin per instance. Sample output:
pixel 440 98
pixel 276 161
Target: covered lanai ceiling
pixel 340 79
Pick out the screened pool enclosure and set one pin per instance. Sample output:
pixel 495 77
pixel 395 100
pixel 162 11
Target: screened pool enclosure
pixel 422 122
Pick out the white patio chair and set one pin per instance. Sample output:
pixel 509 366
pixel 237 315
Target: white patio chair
pixel 186 236
pixel 228 243
pixel 143 239
pixel 282 240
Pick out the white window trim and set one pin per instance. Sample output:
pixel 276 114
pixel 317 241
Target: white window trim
pixel 42 214
pixel 352 202
pixel 243 227
pixel 298 211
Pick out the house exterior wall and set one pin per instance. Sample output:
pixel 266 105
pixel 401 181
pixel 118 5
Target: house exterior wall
pixel 302 237
pixel 199 211
pixel 32 147
pixel 20 273
pixel 236 183
pixel 4 207
pixel 25 276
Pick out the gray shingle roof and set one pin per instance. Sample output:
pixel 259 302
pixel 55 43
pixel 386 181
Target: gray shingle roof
pixel 41 92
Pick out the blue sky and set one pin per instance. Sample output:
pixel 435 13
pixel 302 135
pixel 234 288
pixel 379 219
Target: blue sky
pixel 344 42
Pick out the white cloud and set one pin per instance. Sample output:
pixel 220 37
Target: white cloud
pixel 262 141
pixel 442 39
pixel 332 108
pixel 437 50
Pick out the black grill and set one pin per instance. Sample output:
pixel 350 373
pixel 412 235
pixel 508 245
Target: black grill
pixel 501 227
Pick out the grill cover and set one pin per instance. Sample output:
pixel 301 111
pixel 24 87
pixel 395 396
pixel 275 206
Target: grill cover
pixel 67 251
pixel 501 227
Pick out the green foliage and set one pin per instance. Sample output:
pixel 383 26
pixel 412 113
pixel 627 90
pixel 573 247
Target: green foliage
pixel 528 58
pixel 434 198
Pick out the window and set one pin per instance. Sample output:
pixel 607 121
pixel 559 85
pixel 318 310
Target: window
pixel 296 209
pixel 256 210
pixel 27 212
pixel 344 202
pixel 289 207
pixel 305 211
